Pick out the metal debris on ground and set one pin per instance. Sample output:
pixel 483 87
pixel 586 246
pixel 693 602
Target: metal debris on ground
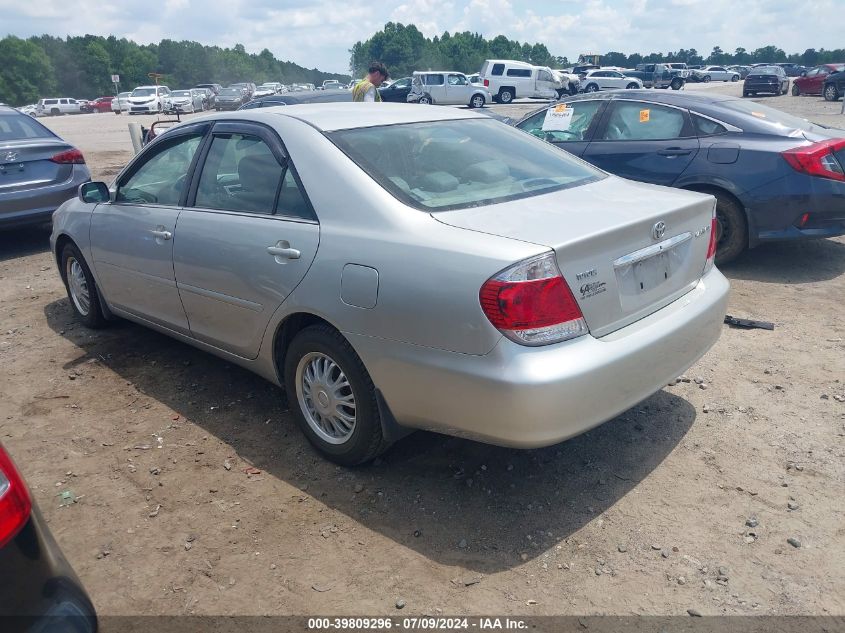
pixel 748 323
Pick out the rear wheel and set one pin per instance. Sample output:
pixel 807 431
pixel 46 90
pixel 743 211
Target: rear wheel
pixel 796 91
pixel 426 99
pixel 333 397
pixel 591 88
pixel 81 288
pixel 731 229
pixel 505 95
pixel 477 101
pixel 631 86
pixel 830 93
pixel 54 112
pixel 706 79
pixel 734 77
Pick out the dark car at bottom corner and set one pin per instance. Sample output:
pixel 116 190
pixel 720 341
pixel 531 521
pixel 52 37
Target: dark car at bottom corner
pixel 39 591
pixel 38 170
pixel 765 80
pixel 834 86
pixel 774 176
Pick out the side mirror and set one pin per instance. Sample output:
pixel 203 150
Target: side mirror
pixel 94 192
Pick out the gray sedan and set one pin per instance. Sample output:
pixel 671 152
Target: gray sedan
pixel 38 170
pixel 400 268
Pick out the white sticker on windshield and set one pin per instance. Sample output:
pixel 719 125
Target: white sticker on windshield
pixel 558 119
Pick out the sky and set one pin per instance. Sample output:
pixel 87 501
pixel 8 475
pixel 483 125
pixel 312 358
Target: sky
pixel 319 33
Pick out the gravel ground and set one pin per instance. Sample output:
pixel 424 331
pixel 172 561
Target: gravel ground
pixel 195 493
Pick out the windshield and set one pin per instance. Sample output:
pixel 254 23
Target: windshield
pixel 765 114
pixel 180 93
pixel 231 91
pixel 123 95
pixel 443 165
pixel 143 92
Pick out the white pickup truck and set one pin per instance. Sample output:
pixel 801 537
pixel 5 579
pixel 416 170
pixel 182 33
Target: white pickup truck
pixel 55 107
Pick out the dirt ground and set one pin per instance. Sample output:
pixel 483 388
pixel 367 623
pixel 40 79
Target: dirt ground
pixel 684 502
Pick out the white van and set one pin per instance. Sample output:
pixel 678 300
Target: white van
pixel 507 80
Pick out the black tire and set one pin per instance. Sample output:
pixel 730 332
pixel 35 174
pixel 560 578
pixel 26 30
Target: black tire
pixel 676 84
pixel 830 93
pixel 55 112
pixel 560 92
pixel 591 88
pixel 632 86
pixel 366 440
pixel 93 318
pixel 505 96
pixel 706 79
pixel 731 229
pixel 734 77
pixel 477 101
pixel 796 91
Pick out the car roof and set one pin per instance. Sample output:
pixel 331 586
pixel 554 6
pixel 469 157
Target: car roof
pixel 328 117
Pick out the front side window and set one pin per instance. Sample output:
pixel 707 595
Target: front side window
pixel 583 114
pixel 442 165
pixel 636 121
pixel 544 75
pixel 161 177
pixel 457 80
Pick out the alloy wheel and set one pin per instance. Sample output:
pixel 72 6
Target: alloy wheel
pixel 78 286
pixel 325 397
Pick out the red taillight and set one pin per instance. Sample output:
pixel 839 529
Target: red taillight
pixel 486 83
pixel 817 159
pixel 15 504
pixel 711 246
pixel 69 157
pixel 532 304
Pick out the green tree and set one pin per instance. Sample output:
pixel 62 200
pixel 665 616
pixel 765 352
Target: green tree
pixel 26 72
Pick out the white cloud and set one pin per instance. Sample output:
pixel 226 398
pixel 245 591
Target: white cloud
pixel 319 34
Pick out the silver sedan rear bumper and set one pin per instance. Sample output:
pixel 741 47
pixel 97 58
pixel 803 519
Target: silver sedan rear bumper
pixel 33 206
pixel 527 397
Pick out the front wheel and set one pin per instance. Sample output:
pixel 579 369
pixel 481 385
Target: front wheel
pixel 830 93
pixel 796 91
pixel 81 288
pixel 477 101
pixel 731 229
pixel 734 77
pixel 332 396
pixel 676 84
pixel 631 86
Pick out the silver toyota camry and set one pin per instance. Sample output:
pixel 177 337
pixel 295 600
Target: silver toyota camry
pixel 401 267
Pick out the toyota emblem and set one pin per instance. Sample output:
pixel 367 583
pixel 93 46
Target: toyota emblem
pixel 658 230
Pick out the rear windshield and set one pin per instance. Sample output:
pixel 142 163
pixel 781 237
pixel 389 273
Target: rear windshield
pixel 443 165
pixel 765 70
pixel 14 126
pixel 781 121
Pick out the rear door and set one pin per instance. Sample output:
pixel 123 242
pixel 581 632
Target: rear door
pixel 644 141
pixel 132 237
pixel 246 240
pixel 578 130
pixel 435 85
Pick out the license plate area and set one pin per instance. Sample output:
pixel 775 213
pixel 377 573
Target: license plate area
pixel 659 267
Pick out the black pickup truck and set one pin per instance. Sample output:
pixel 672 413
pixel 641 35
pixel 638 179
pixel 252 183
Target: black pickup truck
pixel 659 76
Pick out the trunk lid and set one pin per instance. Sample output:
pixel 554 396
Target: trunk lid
pixel 26 164
pixel 608 242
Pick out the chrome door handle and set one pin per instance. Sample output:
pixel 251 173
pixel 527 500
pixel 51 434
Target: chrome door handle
pixel 165 235
pixel 289 253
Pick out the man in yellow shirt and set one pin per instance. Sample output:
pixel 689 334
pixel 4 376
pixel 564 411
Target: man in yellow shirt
pixel 367 89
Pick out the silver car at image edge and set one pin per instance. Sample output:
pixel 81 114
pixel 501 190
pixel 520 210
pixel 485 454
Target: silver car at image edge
pixel 458 275
pixel 38 170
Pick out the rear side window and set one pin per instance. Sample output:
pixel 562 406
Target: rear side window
pixel 706 127
pixel 14 127
pixel 636 121
pixel 519 72
pixel 434 80
pixel 242 174
pixel 498 70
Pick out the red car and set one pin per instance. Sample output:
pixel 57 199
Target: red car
pixel 812 81
pixel 102 104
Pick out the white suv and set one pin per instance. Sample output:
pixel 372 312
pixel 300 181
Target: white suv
pixel 606 79
pixel 147 99
pixel 507 79
pixel 55 107
pixel 446 88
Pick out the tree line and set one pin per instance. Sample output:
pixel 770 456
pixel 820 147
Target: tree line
pixel 81 67
pixel 405 49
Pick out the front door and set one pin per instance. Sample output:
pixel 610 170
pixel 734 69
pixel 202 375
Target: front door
pixel 458 89
pixel 246 238
pixel 132 237
pixel 575 133
pixel 644 141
